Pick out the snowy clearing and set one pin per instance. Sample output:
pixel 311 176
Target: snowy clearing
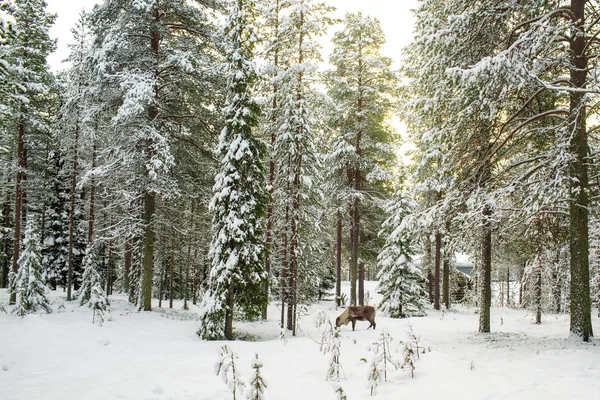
pixel 158 356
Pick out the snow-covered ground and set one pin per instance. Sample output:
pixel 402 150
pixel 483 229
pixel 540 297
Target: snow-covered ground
pixel 158 356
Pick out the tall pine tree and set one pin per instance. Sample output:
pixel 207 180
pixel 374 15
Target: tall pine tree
pixel 237 273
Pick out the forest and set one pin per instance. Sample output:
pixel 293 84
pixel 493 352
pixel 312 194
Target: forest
pixel 198 153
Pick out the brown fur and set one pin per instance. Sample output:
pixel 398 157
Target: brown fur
pixel 357 313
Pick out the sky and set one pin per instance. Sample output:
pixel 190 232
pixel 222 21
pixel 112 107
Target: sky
pixel 395 16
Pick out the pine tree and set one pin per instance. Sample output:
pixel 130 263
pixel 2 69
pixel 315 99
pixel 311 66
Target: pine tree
pixel 362 87
pixel 149 60
pixel 257 382
pixel 91 292
pixel 55 251
pixel 237 274
pixel 341 395
pixel 400 281
pixel 382 361
pixel 297 191
pixel 28 284
pixel 331 343
pixel 225 367
pixel 28 83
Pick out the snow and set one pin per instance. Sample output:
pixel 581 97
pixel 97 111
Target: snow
pixel 158 356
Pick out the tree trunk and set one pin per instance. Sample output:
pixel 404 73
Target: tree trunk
pixel 581 320
pixel 269 233
pixel 361 283
pixel 285 266
pixel 427 266
pixel 127 266
pixel 229 313
pixel 508 286
pixel 338 259
pixel 149 196
pixel 72 213
pixel 187 277
pixel 438 257
pixel 446 279
pixel 109 283
pixel 21 163
pixel 538 286
pixel 92 196
pixel 6 242
pixel 485 273
pixel 148 251
pixel 172 271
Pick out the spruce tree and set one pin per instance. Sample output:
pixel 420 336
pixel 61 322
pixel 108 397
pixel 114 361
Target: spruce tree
pixel 91 292
pixel 400 281
pixel 55 249
pixel 28 284
pixel 298 193
pixel 237 273
pixel 28 83
pixel 257 382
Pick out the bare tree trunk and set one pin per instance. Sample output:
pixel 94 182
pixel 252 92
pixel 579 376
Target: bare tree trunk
pixel 485 273
pixel 148 251
pixel 361 283
pixel 285 267
pixel 109 283
pixel 127 266
pixel 6 242
pixel 426 264
pixel 172 272
pixel 338 259
pixel 438 257
pixel 537 291
pixel 21 163
pixel 446 279
pixel 508 286
pixel 229 313
pixel 581 320
pixel 72 213
pixel 92 197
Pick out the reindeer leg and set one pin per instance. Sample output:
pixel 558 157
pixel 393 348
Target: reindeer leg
pixel 353 324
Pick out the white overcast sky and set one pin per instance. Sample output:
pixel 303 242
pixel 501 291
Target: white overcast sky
pixel 395 16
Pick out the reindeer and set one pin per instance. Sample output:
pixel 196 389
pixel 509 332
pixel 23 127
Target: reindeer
pixel 356 313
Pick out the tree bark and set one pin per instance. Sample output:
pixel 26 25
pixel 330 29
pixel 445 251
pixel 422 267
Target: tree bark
pixel 149 196
pixel 92 196
pixel 172 271
pixel 361 283
pixel 229 313
pixel 508 286
pixel 338 259
pixel 581 320
pixel 21 163
pixel 485 272
pixel 72 213
pixel 446 280
pixel 269 233
pixel 438 257
pixel 148 251
pixel 427 265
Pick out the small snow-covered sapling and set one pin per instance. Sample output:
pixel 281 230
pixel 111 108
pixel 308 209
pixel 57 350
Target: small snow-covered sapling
pixel 257 382
pixel 374 377
pixel 340 394
pixel 331 343
pixel 414 338
pixel 383 360
pixel 225 367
